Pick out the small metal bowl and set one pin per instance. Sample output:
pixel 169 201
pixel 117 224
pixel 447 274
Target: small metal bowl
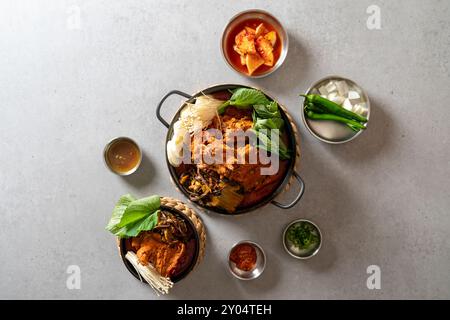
pixel 264 16
pixel 299 254
pixel 108 147
pixel 260 262
pixel 330 131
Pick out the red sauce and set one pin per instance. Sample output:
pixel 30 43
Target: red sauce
pixel 244 255
pixel 235 58
pixel 253 198
pixel 185 260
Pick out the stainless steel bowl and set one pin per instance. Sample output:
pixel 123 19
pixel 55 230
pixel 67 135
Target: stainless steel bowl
pixel 264 16
pixel 111 143
pixel 330 131
pixel 260 262
pixel 301 255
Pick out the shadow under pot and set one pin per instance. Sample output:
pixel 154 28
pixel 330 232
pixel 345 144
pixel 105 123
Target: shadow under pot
pixel 237 188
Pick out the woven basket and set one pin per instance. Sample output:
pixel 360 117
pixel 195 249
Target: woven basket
pixel 297 144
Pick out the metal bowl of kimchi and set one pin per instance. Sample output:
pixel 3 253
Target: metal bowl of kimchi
pixel 229 187
pixel 262 57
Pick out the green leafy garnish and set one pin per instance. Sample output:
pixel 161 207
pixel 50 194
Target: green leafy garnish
pixel 266 118
pixel 245 98
pixel 267 111
pixel 274 123
pixel 265 143
pixel 302 235
pixel 131 216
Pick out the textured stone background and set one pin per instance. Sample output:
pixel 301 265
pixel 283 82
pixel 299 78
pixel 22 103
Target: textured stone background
pixel 66 89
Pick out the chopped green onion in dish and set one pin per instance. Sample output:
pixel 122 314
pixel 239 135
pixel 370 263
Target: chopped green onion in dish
pixel 303 235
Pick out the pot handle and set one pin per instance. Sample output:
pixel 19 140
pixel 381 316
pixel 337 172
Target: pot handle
pixel 297 199
pixel 158 108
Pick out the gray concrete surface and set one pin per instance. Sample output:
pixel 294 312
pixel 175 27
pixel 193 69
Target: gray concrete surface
pixel 74 74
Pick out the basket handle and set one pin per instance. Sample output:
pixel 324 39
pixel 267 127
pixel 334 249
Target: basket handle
pixel 299 195
pixel 158 108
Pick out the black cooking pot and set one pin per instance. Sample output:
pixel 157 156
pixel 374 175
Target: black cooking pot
pixel 292 144
pixel 188 269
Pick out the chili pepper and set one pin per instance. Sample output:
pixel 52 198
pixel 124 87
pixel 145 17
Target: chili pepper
pixel 332 107
pixel 352 127
pixel 313 108
pixel 333 117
